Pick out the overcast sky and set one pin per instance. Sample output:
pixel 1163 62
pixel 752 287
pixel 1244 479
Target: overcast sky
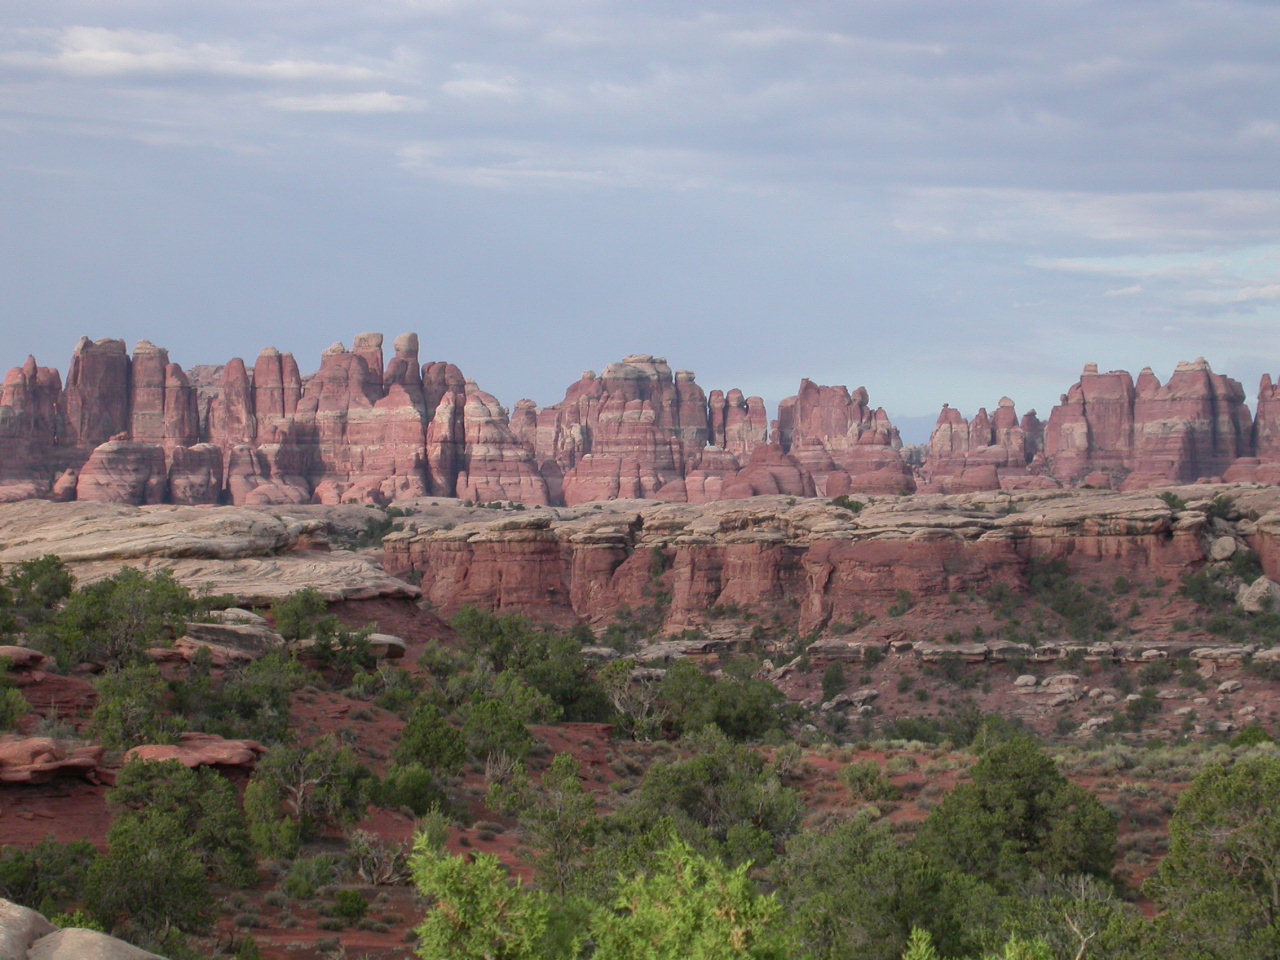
pixel 939 200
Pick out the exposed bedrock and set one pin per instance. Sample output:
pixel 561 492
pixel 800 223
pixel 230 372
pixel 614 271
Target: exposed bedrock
pixel 807 561
pixel 375 429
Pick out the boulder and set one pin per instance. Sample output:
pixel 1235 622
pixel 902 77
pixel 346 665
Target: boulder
pixel 41 759
pixel 74 943
pixel 22 658
pixel 1261 596
pixel 19 928
pixel 201 750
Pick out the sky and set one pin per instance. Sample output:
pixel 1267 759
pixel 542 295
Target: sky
pixel 942 201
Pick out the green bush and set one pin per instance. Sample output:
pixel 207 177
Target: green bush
pixel 297 791
pixel 548 662
pixel 13 705
pixel 411 785
pixel 867 782
pixel 151 879
pixel 1204 589
pixel 1018 818
pixel 250 701
pixel 429 740
pixel 132 708
pixel 742 707
pixel 114 621
pixel 49 876
pixel 724 800
pixel 297 614
pixel 833 681
pixel 350 905
pixel 492 727
pixel 1251 736
pixel 307 875
pixel 32 593
pixel 203 802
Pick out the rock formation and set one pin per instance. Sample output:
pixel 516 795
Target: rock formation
pixel 27 935
pixel 140 430
pixel 254 555
pixel 1144 434
pixel 768 554
pixel 985 453
pixel 838 439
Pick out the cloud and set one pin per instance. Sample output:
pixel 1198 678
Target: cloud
pixel 103 52
pixel 486 88
pixel 508 165
pixel 1207 283
pixel 377 101
pixel 1169 221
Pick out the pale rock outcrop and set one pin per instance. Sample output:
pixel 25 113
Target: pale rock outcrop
pixel 201 750
pixel 41 759
pixel 250 554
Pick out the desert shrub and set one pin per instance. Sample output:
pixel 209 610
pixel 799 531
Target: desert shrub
pixel 1246 565
pixel 1222 507
pixel 298 613
pixel 429 740
pixel 411 785
pixel 151 879
pixel 549 662
pixel 350 905
pixel 132 708
pixel 724 800
pixel 832 680
pixel 296 791
pixel 47 877
pixel 308 875
pixel 31 594
pixel 1155 672
pixel 205 805
pixel 742 707
pixel 1204 589
pixel 491 726
pixel 852 891
pixel 1251 736
pixel 866 782
pixel 1173 501
pixel 376 862
pixel 250 701
pixel 1019 817
pixel 13 705
pixel 114 621
pixel 1051 583
pixel 853 506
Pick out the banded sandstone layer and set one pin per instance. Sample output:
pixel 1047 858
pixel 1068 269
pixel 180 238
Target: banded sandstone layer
pixel 810 564
pixel 140 430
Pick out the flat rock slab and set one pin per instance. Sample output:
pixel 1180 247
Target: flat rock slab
pixel 255 555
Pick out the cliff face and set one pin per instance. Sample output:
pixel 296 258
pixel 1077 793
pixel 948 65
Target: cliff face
pixel 808 562
pixel 369 429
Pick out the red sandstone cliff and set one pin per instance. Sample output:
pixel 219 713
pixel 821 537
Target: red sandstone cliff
pixel 767 555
